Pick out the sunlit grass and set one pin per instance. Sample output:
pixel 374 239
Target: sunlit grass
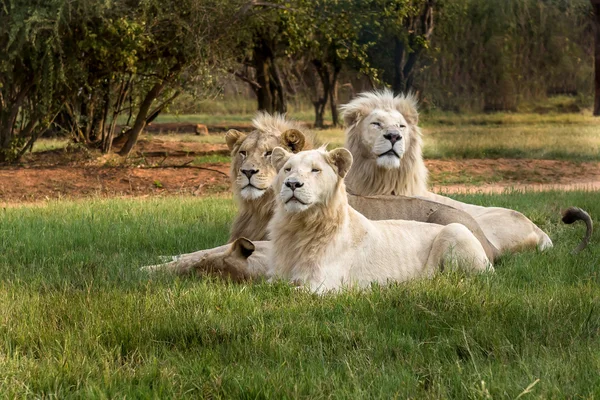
pixel 545 141
pixel 447 135
pixel 44 144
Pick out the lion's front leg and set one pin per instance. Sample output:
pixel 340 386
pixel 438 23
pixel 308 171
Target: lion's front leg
pixel 183 264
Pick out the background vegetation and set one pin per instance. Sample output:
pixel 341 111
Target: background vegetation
pixel 99 72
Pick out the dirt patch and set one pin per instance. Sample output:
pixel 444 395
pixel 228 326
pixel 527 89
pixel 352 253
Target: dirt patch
pixel 148 150
pixel 42 183
pixel 162 168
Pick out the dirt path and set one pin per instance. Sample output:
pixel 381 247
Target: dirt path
pixel 499 175
pixel 77 177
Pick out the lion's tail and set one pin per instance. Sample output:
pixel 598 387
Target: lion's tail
pixel 573 214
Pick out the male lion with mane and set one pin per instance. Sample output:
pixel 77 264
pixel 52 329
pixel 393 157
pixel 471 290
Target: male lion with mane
pixel 320 241
pixel 384 138
pixel 252 173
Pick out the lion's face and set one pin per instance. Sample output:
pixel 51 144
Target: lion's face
pixel 252 170
pixel 308 178
pixel 252 165
pixel 385 135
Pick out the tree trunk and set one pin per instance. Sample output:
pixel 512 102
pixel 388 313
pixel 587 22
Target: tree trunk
pixel 122 94
pixel 140 119
pixel 277 89
pixel 9 117
pixel 405 58
pixel 597 57
pixel 333 94
pixel 321 101
pixel 398 83
pixel 269 89
pixel 261 58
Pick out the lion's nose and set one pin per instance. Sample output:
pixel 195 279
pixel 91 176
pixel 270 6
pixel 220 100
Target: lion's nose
pixel 249 172
pixel 293 184
pixel 393 136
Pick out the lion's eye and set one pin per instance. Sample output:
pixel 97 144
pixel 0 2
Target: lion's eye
pixel 316 170
pixel 402 126
pixel 377 124
pixel 268 153
pixel 288 169
pixel 243 153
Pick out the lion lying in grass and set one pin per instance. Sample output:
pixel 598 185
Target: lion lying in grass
pixel 320 241
pixel 251 177
pixel 256 206
pixel 384 138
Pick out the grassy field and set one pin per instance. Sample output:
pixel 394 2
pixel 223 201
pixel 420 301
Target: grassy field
pixel 80 321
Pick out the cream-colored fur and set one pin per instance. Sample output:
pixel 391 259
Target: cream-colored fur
pixel 320 241
pixel 252 173
pixel 376 169
pixel 371 116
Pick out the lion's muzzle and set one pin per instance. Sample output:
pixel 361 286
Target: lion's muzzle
pixel 393 136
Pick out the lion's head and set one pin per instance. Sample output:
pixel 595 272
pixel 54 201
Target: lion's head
pixel 252 173
pixel 310 178
pixel 251 168
pixel 383 136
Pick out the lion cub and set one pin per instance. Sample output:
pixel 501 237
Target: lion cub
pixel 320 241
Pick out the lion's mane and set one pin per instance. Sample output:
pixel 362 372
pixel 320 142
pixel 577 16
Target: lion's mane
pixel 366 178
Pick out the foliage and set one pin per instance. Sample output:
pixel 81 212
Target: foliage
pixel 34 69
pixel 495 55
pixel 98 72
pixel 81 64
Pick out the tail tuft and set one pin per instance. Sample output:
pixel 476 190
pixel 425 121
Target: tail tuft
pixel 573 214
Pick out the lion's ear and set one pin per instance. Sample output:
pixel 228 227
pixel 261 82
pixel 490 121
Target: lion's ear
pixel 293 139
pixel 341 158
pixel 279 157
pixel 242 247
pixel 232 137
pixel 407 105
pixel 351 115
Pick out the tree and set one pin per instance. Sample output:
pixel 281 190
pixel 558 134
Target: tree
pixel 78 66
pixel 400 32
pixel 146 53
pixel 260 42
pixel 328 33
pixel 32 72
pixel 410 41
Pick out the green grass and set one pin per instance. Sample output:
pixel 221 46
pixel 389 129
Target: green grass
pixel 47 144
pixel 577 142
pixel 80 321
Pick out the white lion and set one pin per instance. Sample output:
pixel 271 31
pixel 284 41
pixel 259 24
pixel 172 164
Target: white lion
pixel 320 241
pixel 383 136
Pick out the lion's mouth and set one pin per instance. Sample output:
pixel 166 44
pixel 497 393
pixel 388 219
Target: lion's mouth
pixel 294 198
pixel 252 186
pixel 390 152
